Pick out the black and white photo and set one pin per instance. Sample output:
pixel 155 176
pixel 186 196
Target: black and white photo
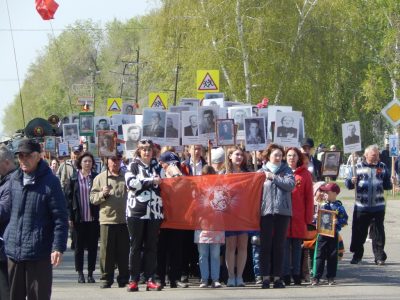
pixel 71 133
pixel 102 123
pixel 255 133
pixel 132 135
pixel 331 163
pixel 225 132
pixel 351 137
pixel 154 124
pixel 287 129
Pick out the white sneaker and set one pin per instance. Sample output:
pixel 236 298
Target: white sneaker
pixel 203 285
pixel 216 284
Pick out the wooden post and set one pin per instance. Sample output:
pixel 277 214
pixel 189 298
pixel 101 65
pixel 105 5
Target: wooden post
pixel 354 172
pixel 209 145
pixel 226 159
pixel 194 163
pixel 255 161
pixel 393 174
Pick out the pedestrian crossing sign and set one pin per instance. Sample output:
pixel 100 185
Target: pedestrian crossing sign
pixel 158 100
pixel 207 81
pixel 114 106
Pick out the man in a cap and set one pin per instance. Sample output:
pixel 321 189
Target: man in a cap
pixel 314 165
pixel 37 233
pixel 109 192
pixel 371 178
pixel 7 167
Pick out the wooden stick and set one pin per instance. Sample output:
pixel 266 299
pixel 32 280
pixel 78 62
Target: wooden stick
pixel 255 161
pixel 354 172
pixel 194 163
pixel 393 174
pixel 226 159
pixel 209 144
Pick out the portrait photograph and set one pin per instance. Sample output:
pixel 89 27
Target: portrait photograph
pixel 179 109
pixel 121 119
pixel 331 163
pixel 154 124
pixel 128 108
pixel 107 143
pixel 287 129
pixel 172 129
pixel 193 103
pixel 326 222
pixel 351 137
pixel 213 102
pixel 101 123
pixel 225 132
pixel 393 145
pixel 255 135
pixel 50 143
pixel 190 127
pixel 74 118
pixel 207 116
pixel 63 149
pixel 71 133
pixel 86 127
pixel 214 96
pixel 132 135
pixel 238 114
pixel 263 112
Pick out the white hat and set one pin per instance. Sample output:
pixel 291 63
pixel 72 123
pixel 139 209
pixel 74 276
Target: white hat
pixel 217 155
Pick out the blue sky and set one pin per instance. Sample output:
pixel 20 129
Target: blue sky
pixel 31 33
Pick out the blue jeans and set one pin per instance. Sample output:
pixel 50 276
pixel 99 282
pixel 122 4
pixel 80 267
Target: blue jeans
pixel 292 258
pixel 209 253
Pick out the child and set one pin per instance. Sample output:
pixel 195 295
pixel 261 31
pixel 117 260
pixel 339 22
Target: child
pixel 209 244
pixel 327 247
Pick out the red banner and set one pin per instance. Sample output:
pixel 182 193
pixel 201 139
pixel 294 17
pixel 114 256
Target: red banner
pixel 46 8
pixel 213 202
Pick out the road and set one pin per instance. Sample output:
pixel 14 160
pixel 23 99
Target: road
pixel 364 281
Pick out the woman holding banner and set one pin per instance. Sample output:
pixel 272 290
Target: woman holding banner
pixel 302 214
pixel 236 239
pixel 144 214
pixel 276 210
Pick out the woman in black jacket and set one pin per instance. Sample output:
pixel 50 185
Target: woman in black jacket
pixel 84 216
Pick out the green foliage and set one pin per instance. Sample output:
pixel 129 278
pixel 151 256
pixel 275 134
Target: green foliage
pixel 337 63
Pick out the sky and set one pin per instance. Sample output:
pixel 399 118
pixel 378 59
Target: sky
pixel 31 33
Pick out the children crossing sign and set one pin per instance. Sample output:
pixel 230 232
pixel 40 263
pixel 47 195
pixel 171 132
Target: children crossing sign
pixel 114 106
pixel 207 81
pixel 158 100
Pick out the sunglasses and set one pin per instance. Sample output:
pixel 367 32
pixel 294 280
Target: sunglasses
pixel 145 141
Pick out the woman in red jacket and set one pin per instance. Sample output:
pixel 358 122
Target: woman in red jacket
pixel 302 214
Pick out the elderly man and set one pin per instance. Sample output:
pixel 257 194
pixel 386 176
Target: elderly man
pixel 7 167
pixel 370 179
pixel 110 194
pixel 37 233
pixel 154 129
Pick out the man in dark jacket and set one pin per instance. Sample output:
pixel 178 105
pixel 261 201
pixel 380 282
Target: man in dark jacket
pixel 314 165
pixel 36 235
pixel 7 167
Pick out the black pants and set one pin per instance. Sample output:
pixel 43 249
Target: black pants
pixel 30 279
pixel 169 254
pixel 4 287
pixel 143 233
pixel 359 232
pixel 326 250
pixel 190 255
pixel 87 235
pixel 114 251
pixel 273 230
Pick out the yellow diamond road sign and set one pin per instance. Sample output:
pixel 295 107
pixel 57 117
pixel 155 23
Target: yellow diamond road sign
pixel 392 112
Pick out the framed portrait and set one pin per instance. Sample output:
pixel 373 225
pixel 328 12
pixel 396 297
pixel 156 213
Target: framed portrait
pixel 326 222
pixel 86 123
pixel 107 143
pixel 71 133
pixel 213 102
pixel 394 145
pixel 172 129
pixel 207 115
pixel 225 129
pixel 102 123
pixel 238 114
pixel 128 108
pixel 255 135
pixel 287 129
pixel 63 150
pixel 154 125
pixel 190 128
pixel 351 137
pixel 50 143
pixel 331 163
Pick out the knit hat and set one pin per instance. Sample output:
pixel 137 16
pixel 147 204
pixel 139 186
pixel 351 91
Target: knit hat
pixel 317 186
pixel 217 155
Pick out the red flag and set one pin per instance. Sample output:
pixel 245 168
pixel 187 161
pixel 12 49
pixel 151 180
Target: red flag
pixel 46 8
pixel 213 202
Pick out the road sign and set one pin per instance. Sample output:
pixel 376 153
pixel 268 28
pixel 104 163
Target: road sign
pixel 392 112
pixel 207 81
pixel 114 106
pixel 158 100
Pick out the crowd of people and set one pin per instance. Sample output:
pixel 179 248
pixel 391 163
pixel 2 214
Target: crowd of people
pixel 122 207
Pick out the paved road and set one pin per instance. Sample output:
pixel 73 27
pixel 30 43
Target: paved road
pixel 364 281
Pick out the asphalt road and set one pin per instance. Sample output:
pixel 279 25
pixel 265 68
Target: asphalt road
pixel 364 281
